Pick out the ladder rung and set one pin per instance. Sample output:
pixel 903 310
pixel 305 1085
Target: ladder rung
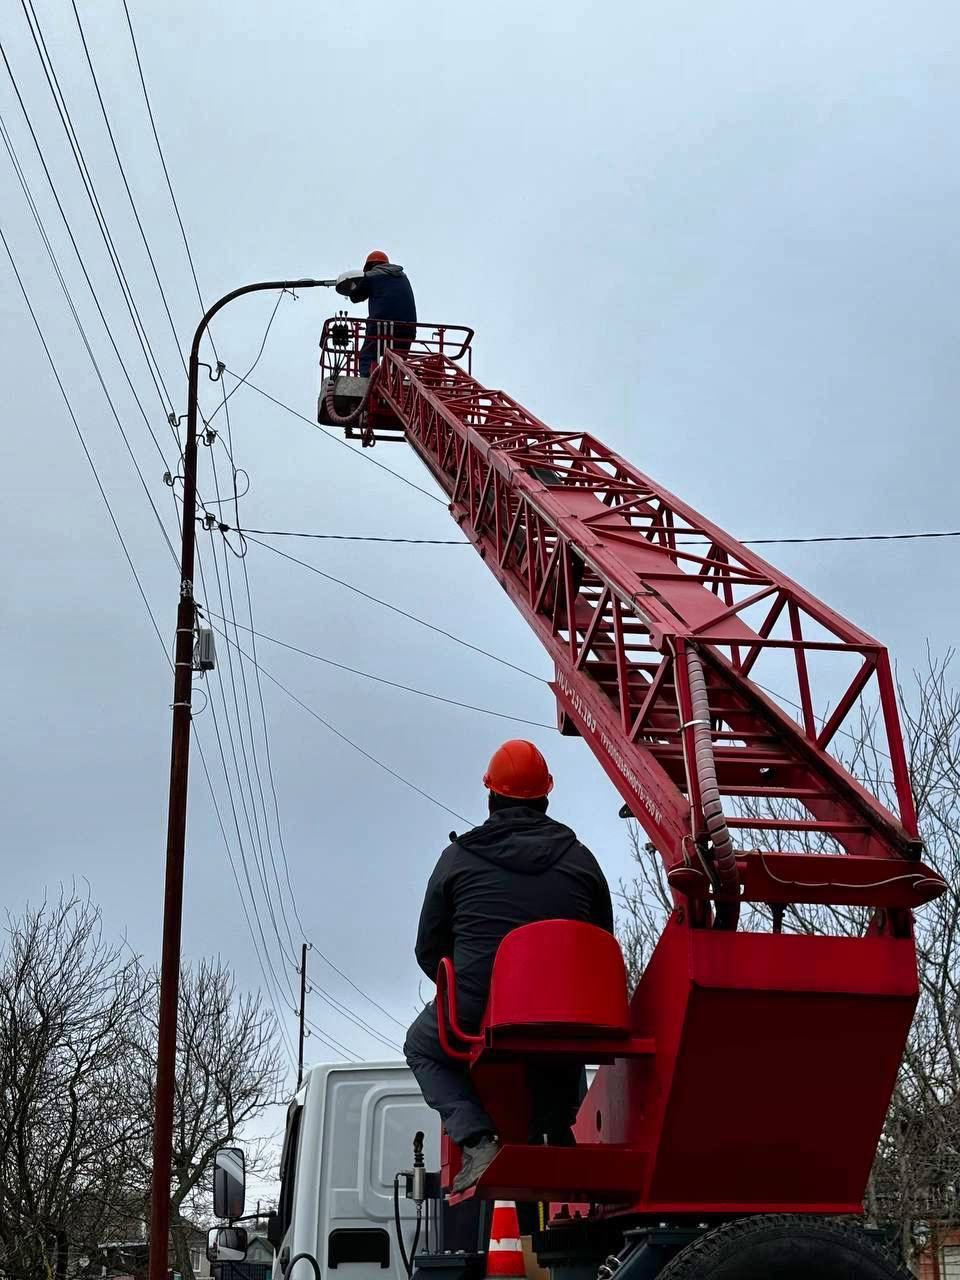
pixel 792 824
pixel 774 793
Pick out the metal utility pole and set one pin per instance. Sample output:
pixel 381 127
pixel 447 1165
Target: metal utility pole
pixel 303 1010
pixel 177 804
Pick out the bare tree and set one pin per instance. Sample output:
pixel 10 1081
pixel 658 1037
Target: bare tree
pixel 68 1001
pixel 229 1070
pixel 916 1176
pixel 78 1030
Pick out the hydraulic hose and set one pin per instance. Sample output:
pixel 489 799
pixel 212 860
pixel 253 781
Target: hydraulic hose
pixel 406 1259
pixel 398 1225
pixel 416 1241
pixel 722 856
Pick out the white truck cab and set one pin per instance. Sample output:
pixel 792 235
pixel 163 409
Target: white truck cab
pixel 350 1130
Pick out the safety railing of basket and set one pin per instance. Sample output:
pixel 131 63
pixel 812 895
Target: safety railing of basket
pixel 343 337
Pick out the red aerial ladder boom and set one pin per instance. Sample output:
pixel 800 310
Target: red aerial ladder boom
pixel 761 1064
pixel 630 591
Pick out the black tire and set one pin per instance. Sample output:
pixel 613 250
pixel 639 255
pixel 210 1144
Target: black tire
pixel 784 1247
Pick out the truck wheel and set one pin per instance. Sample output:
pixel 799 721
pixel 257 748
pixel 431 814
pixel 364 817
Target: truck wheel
pixel 787 1247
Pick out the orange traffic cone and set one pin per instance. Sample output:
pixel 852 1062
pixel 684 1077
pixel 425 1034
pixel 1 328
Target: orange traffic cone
pixel 505 1252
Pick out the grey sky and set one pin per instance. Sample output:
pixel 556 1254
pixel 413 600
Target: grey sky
pixel 722 237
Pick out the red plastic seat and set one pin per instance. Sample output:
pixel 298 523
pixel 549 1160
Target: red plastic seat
pixel 562 976
pixel 558 978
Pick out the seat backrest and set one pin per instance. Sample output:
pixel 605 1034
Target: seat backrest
pixel 560 973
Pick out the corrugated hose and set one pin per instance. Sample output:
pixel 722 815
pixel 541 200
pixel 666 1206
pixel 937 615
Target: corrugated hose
pixel 344 419
pixel 722 858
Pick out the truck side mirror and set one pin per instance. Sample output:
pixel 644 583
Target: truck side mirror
pixel 274 1229
pixel 226 1244
pixel 229 1182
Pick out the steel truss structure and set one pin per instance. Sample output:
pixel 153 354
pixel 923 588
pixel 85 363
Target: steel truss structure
pixel 621 580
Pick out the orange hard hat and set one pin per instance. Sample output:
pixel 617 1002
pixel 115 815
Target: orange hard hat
pixel 375 255
pixel 517 769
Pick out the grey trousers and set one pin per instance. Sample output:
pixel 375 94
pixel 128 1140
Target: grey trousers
pixel 556 1088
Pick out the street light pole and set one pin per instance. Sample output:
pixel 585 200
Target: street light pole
pixel 177 804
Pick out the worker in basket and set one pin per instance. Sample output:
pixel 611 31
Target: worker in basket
pixel 391 307
pixel 519 867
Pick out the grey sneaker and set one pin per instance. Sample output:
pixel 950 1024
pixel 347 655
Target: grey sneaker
pixel 476 1160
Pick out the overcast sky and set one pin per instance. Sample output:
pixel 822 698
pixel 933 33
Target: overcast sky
pixel 722 237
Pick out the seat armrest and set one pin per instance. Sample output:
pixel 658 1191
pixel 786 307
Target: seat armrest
pixel 447 1014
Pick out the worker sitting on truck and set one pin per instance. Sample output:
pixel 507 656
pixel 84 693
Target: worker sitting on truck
pixel 392 309
pixel 519 867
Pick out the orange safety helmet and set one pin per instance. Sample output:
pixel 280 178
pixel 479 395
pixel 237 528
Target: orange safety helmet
pixel 517 769
pixel 375 255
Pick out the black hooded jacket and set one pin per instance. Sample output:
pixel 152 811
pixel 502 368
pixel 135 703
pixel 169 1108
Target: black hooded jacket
pixel 388 291
pixel 518 867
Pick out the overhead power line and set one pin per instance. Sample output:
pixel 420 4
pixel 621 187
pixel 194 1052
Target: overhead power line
pixel 73 141
pixel 269 761
pixel 231 622
pixel 354 1019
pixel 163 162
pixel 31 204
pixel 424 693
pixel 350 983
pixel 755 542
pixel 342 736
pixel 232 619
pixel 355 537
pixel 463 542
pixel 339 439
pixel 831 537
pixel 251 816
pixel 328 1039
pixel 246 582
pixel 221 683
pixel 76 248
pixel 854 537
pixel 268 984
pixel 393 684
pixel 126 184
pixel 449 635
pixel 282 979
pixel 412 617
pixel 83 444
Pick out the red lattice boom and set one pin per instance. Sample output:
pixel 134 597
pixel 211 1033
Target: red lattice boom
pixel 620 579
